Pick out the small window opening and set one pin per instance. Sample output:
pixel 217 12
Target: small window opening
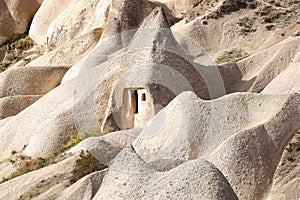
pixel 143 97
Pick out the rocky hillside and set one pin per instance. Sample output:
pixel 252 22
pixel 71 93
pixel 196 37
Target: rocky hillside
pixel 144 99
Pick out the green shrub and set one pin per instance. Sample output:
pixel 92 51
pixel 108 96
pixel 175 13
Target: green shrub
pixel 3 66
pixel 27 164
pixel 246 25
pixel 231 56
pixel 272 16
pixel 229 6
pixel 18 49
pixel 85 165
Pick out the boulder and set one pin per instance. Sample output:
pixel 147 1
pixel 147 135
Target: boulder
pixel 85 188
pixel 47 13
pixel 15 17
pixel 79 18
pixel 10 106
pixel 30 80
pixel 129 177
pixel 287 81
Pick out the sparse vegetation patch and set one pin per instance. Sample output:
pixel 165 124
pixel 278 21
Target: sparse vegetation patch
pixel 229 6
pixel 246 25
pixel 19 48
pixel 25 164
pixel 231 56
pixel 85 165
pixel 273 16
pixel 290 158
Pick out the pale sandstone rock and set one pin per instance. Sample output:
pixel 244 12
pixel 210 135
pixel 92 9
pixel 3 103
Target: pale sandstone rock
pixel 129 177
pixel 119 139
pixel 70 53
pixel 236 129
pixel 40 181
pixel 155 63
pixel 177 7
pixel 15 17
pixel 106 147
pixel 288 191
pixel 116 36
pixel 4 121
pixel 30 80
pixel 287 81
pixel 255 73
pixel 52 124
pixel 47 13
pixel 85 188
pixel 79 18
pixel 10 106
pixel 260 69
pixel 212 37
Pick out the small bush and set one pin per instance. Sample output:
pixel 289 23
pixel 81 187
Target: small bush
pixel 3 66
pixel 27 164
pixel 246 25
pixel 245 22
pixel 229 6
pixel 74 140
pixel 231 56
pixel 85 165
pixel 273 16
pixel 18 49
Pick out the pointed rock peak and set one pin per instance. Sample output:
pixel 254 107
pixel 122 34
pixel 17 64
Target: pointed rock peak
pixel 125 15
pixel 156 19
pixel 155 33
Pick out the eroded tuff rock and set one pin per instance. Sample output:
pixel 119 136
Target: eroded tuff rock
pixel 57 125
pixel 22 86
pixel 116 36
pixel 15 17
pixel 182 147
pixel 30 80
pixel 54 177
pixel 10 106
pixel 52 123
pixel 48 12
pixel 129 177
pixel 71 53
pixel 242 134
pixel 85 188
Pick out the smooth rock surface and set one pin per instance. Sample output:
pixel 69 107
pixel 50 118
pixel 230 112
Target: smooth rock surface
pixel 10 106
pixel 30 80
pixel 15 17
pixel 130 178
